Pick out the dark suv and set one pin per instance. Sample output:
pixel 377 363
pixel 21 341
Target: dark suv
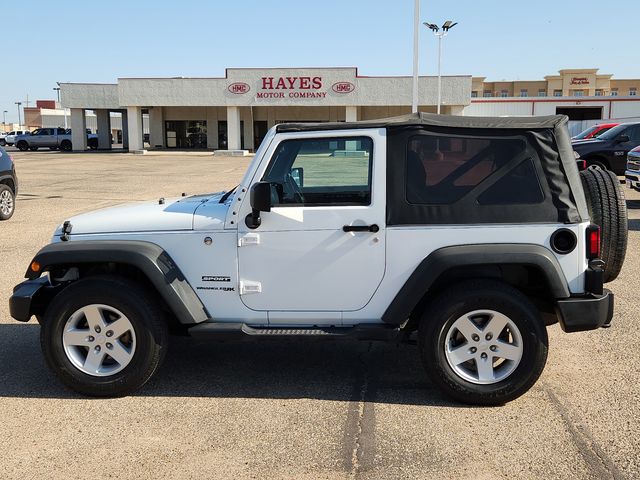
pixel 610 149
pixel 8 185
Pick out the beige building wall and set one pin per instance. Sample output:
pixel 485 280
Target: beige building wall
pixel 570 82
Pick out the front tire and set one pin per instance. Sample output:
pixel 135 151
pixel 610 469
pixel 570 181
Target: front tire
pixel 104 336
pixel 7 202
pixel 483 342
pixel 22 146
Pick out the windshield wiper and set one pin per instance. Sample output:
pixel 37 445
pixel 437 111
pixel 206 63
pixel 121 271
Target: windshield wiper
pixel 228 194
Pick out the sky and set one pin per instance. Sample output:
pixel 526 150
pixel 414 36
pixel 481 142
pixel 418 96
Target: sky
pixel 101 40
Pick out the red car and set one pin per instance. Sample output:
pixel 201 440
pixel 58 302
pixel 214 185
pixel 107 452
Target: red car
pixel 594 131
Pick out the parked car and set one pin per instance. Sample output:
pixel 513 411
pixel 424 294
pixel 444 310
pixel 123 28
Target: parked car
pixel 594 131
pixel 330 234
pixel 8 185
pixel 52 138
pixel 3 136
pixel 11 136
pixel 632 175
pixel 609 150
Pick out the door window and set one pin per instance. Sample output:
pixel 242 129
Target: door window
pixel 322 172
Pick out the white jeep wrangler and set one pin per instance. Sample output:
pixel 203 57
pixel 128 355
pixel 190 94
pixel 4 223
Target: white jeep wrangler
pixel 470 233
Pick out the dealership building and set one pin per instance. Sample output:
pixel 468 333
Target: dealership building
pixel 235 111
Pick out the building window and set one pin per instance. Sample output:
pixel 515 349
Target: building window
pixel 474 94
pixel 524 92
pixel 487 93
pixel 504 93
pixel 542 92
pixel 577 93
pixel 633 91
pixel 557 93
pixel 614 92
pixel 598 92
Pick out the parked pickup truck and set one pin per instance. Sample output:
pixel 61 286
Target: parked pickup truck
pixel 53 138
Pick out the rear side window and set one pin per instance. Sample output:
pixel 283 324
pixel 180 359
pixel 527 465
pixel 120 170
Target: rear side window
pixel 322 171
pixel 443 169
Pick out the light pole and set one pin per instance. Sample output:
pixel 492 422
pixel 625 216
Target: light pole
pixel 19 117
pixel 446 26
pixel 4 118
pixel 57 89
pixel 416 34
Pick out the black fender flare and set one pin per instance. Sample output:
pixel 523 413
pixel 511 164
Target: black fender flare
pixel 149 258
pixel 443 259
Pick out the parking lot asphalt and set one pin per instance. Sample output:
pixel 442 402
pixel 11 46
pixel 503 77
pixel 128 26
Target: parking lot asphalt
pixel 295 409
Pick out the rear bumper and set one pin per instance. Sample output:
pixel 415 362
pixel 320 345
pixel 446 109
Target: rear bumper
pixel 25 299
pixel 632 179
pixel 589 312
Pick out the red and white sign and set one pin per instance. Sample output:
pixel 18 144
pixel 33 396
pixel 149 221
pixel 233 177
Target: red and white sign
pixel 239 88
pixel 343 87
pixel 291 88
pixel 579 81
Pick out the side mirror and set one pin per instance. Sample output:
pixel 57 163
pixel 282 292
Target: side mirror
pixel 298 176
pixel 260 200
pixel 623 139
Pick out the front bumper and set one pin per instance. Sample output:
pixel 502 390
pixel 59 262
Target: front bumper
pixel 589 312
pixel 632 178
pixel 27 297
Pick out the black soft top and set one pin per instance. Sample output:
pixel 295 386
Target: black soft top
pixel 433 120
pixel 548 136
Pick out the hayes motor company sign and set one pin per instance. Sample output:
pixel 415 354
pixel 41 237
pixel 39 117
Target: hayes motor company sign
pixel 292 87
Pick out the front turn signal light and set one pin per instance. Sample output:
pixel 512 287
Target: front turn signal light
pixel 35 266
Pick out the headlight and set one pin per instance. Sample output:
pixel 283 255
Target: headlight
pixel 576 154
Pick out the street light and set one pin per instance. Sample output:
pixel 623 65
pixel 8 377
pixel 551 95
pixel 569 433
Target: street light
pixel 19 117
pixel 440 32
pixel 4 117
pixel 57 89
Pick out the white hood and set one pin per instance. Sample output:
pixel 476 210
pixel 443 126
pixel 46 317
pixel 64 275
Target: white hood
pixel 174 214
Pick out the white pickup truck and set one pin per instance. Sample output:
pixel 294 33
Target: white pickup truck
pixel 52 138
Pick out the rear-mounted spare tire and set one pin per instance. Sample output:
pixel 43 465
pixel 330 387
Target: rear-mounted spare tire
pixel 608 209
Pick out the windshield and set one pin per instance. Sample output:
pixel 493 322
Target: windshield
pixel 586 132
pixel 613 132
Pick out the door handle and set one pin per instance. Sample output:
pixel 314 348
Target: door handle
pixel 361 228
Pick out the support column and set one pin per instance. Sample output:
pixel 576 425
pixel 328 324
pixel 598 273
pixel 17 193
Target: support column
pixel 156 127
pixel 78 130
pixel 134 117
pixel 233 128
pixel 454 109
pixel 248 129
pixel 125 130
pixel 271 117
pixel 212 128
pixel 351 114
pixel 104 129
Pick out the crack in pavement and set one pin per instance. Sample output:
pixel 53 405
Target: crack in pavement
pixel 359 431
pixel 593 455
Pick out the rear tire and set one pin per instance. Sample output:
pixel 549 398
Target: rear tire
pixel 607 209
pixel 130 326
pixel 461 341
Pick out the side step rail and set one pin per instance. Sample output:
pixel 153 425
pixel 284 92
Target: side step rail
pixel 242 330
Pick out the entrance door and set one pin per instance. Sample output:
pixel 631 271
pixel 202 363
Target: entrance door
pixel 301 259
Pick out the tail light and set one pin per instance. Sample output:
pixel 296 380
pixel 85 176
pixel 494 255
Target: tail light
pixel 593 241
